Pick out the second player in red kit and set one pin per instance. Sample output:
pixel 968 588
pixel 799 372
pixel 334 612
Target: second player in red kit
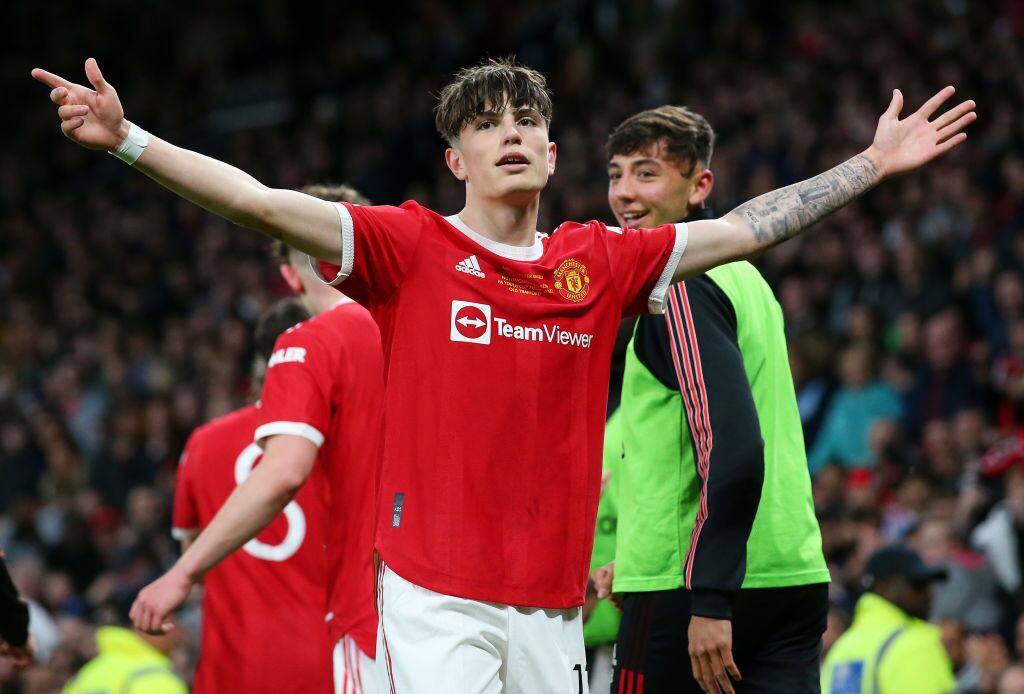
pixel 264 606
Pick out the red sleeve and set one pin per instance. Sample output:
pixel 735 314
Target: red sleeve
pixel 377 246
pixel 185 518
pixel 642 263
pixel 296 396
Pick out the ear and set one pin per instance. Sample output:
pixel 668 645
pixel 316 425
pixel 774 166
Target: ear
pixel 702 188
pixel 453 158
pixel 552 156
pixel 292 278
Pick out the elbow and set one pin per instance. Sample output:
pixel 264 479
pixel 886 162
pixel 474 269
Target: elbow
pixel 287 482
pixel 750 477
pixel 257 212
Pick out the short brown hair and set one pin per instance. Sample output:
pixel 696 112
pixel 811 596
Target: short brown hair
pixel 493 85
pixel 686 136
pixel 282 253
pixel 277 318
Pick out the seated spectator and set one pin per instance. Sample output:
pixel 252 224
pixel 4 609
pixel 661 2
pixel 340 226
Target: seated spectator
pixel 861 401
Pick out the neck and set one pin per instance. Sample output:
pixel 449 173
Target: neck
pixel 513 224
pixel 319 297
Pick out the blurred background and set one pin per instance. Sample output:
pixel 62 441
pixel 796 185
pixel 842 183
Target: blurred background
pixel 127 315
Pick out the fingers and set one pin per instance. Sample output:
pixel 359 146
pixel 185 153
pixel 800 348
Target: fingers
pixel 956 126
pixel 953 114
pixel 698 672
pixel 932 105
pixel 59 95
pixel 71 110
pixel 896 105
pixel 50 79
pixel 950 143
pixel 92 71
pixel 718 671
pixel 69 126
pixel 730 666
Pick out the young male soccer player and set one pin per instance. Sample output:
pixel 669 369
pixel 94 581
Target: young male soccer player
pixel 264 606
pixel 324 387
pixel 705 505
pixel 497 343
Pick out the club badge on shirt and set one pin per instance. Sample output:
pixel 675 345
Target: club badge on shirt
pixel 572 281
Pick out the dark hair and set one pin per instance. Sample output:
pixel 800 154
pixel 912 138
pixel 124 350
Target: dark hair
pixel 686 136
pixel 491 86
pixel 282 253
pixel 280 316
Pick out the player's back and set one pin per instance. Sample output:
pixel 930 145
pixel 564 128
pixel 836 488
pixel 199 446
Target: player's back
pixel 326 382
pixel 264 606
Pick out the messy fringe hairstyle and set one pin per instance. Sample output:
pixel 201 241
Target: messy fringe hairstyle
pixel 686 136
pixel 491 86
pixel 282 253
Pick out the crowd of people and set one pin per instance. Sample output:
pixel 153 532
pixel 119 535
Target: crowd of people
pixel 128 314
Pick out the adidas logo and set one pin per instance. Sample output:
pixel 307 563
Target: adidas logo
pixel 471 266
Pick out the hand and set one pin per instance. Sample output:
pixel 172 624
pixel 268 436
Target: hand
pixel 711 654
pixel 21 656
pixel 93 119
pixel 603 579
pixel 904 145
pixel 158 600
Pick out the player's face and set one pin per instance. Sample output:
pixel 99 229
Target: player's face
pixel 504 155
pixel 646 190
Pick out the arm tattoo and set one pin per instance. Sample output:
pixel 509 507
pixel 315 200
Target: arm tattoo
pixel 782 214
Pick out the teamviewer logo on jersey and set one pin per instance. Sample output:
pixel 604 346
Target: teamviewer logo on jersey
pixel 471 322
pixel 470 266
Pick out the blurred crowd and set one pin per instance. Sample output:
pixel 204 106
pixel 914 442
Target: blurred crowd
pixel 127 315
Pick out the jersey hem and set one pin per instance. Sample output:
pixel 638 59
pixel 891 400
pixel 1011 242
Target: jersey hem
pixel 348 249
pixel 294 428
pixel 460 588
pixel 180 534
pixel 656 301
pixel 651 584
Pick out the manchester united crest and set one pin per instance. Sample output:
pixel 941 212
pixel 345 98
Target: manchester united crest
pixel 571 280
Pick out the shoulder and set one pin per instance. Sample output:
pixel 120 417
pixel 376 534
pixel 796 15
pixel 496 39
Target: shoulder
pixel 214 430
pixel 342 321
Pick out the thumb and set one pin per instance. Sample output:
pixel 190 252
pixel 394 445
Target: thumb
pixel 92 71
pixel 896 105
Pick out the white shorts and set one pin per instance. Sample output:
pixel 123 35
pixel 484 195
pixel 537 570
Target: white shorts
pixel 430 642
pixel 354 671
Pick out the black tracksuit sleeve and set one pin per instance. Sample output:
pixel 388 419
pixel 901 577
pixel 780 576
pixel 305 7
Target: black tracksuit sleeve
pixel 13 612
pixel 694 348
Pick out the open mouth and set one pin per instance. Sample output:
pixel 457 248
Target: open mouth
pixel 633 217
pixel 513 161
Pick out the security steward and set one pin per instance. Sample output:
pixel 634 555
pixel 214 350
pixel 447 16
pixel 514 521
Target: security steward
pixel 890 648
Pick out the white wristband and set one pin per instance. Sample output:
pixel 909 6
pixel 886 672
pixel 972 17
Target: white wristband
pixel 132 147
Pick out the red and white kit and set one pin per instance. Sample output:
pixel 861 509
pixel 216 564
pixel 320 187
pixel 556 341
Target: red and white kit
pixel 264 606
pixel 325 382
pixel 497 366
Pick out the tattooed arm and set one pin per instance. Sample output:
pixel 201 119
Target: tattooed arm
pixel 899 146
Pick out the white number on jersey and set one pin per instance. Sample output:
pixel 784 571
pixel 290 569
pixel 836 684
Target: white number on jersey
pixel 292 513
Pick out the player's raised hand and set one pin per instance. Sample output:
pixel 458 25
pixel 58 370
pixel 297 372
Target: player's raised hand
pixel 156 602
pixel 91 117
pixel 903 145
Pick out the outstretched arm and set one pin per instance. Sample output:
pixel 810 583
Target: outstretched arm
pixel 95 119
pixel 286 464
pixel 899 146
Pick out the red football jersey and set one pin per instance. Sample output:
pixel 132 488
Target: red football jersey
pixel 325 381
pixel 497 368
pixel 264 607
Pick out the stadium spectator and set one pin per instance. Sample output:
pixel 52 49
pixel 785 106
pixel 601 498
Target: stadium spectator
pixel 861 401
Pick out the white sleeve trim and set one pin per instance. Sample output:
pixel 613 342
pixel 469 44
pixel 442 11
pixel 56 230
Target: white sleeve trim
pixel 656 301
pixel 180 534
pixel 348 249
pixel 294 428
